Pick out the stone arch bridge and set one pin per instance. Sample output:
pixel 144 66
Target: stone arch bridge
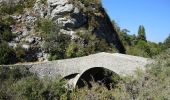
pixel 74 68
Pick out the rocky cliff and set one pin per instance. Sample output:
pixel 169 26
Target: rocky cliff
pixel 72 15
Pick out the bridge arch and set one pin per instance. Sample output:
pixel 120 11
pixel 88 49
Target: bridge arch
pixel 101 75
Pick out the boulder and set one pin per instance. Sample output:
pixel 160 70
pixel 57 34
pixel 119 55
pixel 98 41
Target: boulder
pixel 66 14
pixel 26 47
pixel 12 44
pixel 30 40
pixel 54 3
pixel 62 10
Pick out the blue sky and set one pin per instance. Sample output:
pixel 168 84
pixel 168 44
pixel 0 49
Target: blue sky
pixel 153 14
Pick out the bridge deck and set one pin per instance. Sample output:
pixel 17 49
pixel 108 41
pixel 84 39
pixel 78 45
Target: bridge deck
pixel 119 63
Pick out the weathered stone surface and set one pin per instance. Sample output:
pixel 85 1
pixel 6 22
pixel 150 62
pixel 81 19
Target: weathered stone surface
pixel 16 17
pixel 72 19
pixel 119 63
pixel 40 9
pixel 53 3
pixel 30 40
pixel 61 10
pixel 12 44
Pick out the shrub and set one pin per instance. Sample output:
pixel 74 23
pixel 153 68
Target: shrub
pixel 46 26
pixel 20 54
pixel 97 92
pixel 29 3
pixel 166 43
pixel 8 76
pixel 27 88
pixel 55 42
pixel 6 35
pixel 18 83
pixel 74 50
pixel 7 54
pixel 10 7
pixel 152 84
pixel 59 45
pixel 35 89
pixel 5 29
pixel 144 49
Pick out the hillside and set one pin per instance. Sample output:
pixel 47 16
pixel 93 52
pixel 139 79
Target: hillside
pixel 41 30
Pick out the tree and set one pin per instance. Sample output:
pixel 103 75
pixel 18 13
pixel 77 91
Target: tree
pixel 141 33
pixel 167 42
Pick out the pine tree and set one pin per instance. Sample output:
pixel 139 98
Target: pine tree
pixel 141 33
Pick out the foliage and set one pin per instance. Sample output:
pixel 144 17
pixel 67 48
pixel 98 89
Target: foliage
pixel 18 83
pixel 166 43
pixel 152 84
pixel 137 45
pixel 7 7
pixel 20 54
pixel 29 3
pixel 74 50
pixel 46 26
pixel 88 2
pixel 8 76
pixel 6 34
pixel 6 20
pixel 7 54
pixel 145 49
pixel 61 46
pixel 55 43
pixel 10 7
pixel 94 44
pixel 141 33
pixel 5 29
pixel 97 92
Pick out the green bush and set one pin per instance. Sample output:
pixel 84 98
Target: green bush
pixel 55 42
pixel 153 84
pixel 93 44
pixel 5 30
pixel 8 76
pixel 10 7
pixel 144 49
pixel 17 83
pixel 74 50
pixel 29 3
pixel 6 35
pixel 7 54
pixel 58 46
pixel 20 54
pixel 32 88
pixel 97 92
pixel 46 26
pixel 166 43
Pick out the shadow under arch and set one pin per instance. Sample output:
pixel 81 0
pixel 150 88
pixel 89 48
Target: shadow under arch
pixel 101 75
pixel 71 76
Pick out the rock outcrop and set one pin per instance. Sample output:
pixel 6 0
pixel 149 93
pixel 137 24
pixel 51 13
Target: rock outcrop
pixel 71 15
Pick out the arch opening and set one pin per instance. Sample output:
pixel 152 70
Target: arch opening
pixel 71 76
pixel 99 75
